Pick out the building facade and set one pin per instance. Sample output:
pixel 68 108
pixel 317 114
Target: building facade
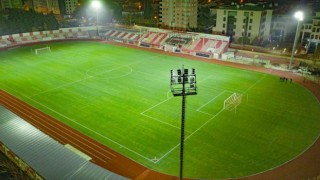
pixel 179 14
pixel 8 4
pixel 70 6
pixel 314 40
pixel 46 6
pixel 248 21
pixel 284 28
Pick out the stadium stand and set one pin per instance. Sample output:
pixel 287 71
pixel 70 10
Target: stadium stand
pixel 188 43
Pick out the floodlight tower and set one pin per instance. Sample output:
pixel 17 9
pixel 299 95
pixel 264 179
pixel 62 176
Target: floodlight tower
pixel 96 4
pixel 299 16
pixel 183 84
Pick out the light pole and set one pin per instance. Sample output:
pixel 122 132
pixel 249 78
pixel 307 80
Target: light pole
pixel 156 21
pixel 96 6
pixel 182 84
pixel 299 16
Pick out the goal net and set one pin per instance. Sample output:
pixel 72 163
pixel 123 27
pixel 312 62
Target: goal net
pixel 42 50
pixel 232 102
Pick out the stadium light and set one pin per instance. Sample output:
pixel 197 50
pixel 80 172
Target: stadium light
pixel 299 16
pixel 96 6
pixel 183 82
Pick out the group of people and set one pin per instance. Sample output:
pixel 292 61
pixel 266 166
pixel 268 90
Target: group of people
pixel 284 79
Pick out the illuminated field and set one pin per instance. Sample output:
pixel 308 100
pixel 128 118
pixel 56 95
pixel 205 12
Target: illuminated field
pixel 120 96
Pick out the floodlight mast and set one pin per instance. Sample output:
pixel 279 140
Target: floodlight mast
pixel 183 84
pixel 96 4
pixel 299 17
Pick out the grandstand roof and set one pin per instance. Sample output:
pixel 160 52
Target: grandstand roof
pixel 49 158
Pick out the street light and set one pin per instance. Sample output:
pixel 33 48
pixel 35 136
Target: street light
pixel 183 83
pixel 156 20
pixel 96 5
pixel 299 16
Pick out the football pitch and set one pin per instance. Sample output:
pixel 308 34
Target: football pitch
pixel 121 97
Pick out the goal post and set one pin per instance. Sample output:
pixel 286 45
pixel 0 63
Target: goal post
pixel 42 50
pixel 232 102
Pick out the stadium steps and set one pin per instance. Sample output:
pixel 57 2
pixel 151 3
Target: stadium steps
pixel 115 34
pixel 109 33
pixel 128 35
pixel 144 36
pixel 221 48
pixel 209 44
pixel 137 37
pixel 160 37
pixel 193 44
pixel 200 44
pixel 152 37
pixel 123 35
pixel 132 36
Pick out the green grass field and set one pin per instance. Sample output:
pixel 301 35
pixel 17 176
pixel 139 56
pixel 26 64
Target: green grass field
pixel 121 97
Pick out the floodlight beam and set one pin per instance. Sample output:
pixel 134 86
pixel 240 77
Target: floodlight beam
pixel 299 16
pixel 96 5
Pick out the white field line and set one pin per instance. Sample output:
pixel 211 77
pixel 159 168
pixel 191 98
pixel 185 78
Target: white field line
pixel 209 120
pixel 211 100
pixel 255 83
pixel 113 141
pixel 71 83
pixel 168 98
pixel 205 113
pixel 163 122
pixel 156 105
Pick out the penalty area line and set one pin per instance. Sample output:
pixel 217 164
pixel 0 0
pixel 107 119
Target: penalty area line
pixel 209 120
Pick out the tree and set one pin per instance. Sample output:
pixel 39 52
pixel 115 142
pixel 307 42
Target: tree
pixel 243 40
pixel 51 22
pixel 205 18
pixel 16 21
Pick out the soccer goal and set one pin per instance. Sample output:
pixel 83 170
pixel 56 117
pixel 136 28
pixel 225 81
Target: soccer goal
pixel 232 102
pixel 42 50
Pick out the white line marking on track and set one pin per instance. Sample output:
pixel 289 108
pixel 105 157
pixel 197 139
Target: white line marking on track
pixel 99 134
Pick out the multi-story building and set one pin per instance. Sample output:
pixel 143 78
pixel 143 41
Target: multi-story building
pixel 46 6
pixel 245 20
pixel 284 28
pixel 314 40
pixel 7 4
pixel 179 14
pixel 68 7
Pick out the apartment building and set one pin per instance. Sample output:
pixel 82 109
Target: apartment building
pixel 246 20
pixel 314 40
pixel 46 6
pixel 70 6
pixel 179 14
pixel 283 28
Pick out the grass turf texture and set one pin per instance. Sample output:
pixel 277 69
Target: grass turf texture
pixel 120 96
